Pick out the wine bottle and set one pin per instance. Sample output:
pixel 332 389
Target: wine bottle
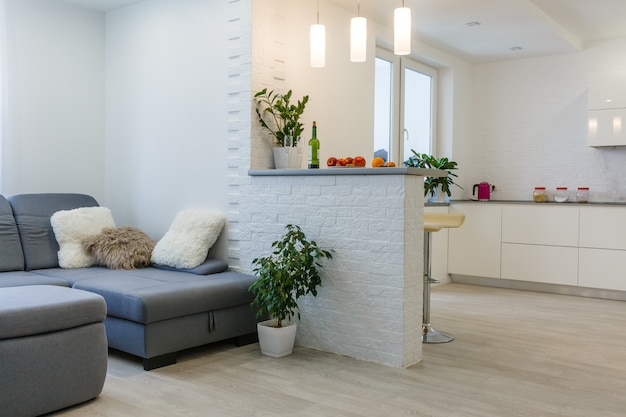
pixel 314 148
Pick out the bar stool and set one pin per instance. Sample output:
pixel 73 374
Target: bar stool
pixel 434 222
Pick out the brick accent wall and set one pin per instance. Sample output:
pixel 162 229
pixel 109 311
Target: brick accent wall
pixel 370 304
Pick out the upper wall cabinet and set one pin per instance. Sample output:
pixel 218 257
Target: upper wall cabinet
pixel 607 109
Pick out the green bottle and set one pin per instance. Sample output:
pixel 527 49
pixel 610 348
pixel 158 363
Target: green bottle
pixel 314 149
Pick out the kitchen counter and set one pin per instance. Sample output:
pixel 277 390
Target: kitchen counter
pixel 567 203
pixel 349 171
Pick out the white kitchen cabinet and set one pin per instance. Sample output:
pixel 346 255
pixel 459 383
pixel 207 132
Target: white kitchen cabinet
pixel 474 248
pixel 439 249
pixel 602 268
pixel 552 225
pixel 607 109
pixel 603 227
pixel 539 263
pixel 540 243
pixel 566 244
pixel 602 254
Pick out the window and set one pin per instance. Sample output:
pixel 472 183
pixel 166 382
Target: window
pixel 404 112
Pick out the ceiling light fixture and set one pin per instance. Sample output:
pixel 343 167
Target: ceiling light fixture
pixel 516 48
pixel 402 30
pixel 358 37
pixel 318 42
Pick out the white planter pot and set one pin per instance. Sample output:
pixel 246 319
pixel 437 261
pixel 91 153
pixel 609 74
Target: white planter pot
pixel 439 197
pixel 276 342
pixel 281 161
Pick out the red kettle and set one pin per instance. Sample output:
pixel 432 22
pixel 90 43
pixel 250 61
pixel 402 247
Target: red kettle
pixel 484 191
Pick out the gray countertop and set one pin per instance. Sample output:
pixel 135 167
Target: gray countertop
pixel 349 171
pixel 567 203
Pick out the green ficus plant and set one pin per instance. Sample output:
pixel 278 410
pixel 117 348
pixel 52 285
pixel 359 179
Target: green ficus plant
pixel 279 115
pixel 290 272
pixel 431 183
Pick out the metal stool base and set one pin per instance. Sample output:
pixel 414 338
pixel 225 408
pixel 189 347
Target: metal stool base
pixel 431 335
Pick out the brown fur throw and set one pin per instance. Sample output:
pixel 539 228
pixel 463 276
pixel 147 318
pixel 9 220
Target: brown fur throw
pixel 120 248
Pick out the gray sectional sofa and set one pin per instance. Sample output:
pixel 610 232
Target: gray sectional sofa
pixel 152 312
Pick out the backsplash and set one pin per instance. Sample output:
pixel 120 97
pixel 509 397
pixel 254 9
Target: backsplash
pixel 531 128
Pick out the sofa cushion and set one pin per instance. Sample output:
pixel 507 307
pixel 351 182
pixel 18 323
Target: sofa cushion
pixel 32 214
pixel 189 238
pixel 72 227
pixel 38 309
pixel 208 267
pixel 120 248
pixel 149 295
pixel 12 258
pixel 21 278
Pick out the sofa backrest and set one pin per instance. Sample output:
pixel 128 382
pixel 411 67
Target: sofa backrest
pixel 11 255
pixel 32 215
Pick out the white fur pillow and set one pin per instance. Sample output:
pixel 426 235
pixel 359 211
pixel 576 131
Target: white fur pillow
pixel 72 226
pixel 189 238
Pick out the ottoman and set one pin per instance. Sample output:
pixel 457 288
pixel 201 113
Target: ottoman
pixel 53 348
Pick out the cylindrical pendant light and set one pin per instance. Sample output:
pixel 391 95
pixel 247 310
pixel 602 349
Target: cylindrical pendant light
pixel 358 37
pixel 402 30
pixel 318 42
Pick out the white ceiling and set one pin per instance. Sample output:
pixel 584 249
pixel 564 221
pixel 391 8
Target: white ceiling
pixel 101 5
pixel 539 27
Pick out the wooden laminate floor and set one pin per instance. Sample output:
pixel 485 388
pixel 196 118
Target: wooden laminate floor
pixel 516 353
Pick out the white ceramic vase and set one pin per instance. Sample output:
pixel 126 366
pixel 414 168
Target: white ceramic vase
pixel 281 161
pixel 274 341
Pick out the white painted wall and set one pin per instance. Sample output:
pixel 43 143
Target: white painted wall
pixel 55 106
pixel 531 126
pixel 342 93
pixel 166 107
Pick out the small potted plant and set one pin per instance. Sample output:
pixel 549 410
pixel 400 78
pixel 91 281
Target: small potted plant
pixel 435 186
pixel 281 118
pixel 290 272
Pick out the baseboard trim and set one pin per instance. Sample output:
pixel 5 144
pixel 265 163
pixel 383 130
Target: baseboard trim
pixel 540 287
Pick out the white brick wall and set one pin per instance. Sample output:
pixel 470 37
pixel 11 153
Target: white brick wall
pixel 531 127
pixel 370 304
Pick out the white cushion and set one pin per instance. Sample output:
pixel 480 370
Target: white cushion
pixel 72 226
pixel 189 238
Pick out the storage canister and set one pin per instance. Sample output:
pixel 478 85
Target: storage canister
pixel 560 196
pixel 582 195
pixel 539 195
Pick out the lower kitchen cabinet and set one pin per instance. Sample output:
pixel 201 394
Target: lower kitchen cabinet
pixel 601 268
pixel 474 248
pixel 566 244
pixel 537 263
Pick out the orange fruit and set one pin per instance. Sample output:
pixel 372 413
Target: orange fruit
pixel 378 162
pixel 390 164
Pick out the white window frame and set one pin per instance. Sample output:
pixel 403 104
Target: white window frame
pixel 398 134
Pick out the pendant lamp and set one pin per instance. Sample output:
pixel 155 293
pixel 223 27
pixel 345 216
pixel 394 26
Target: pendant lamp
pixel 318 42
pixel 402 30
pixel 358 37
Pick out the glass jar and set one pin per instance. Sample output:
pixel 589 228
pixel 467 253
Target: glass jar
pixel 560 196
pixel 539 195
pixel 582 195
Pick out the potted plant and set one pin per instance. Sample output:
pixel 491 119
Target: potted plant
pixel 290 272
pixel 281 118
pixel 434 185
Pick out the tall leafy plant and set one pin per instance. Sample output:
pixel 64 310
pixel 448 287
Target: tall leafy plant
pixel 290 272
pixel 279 115
pixel 432 183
